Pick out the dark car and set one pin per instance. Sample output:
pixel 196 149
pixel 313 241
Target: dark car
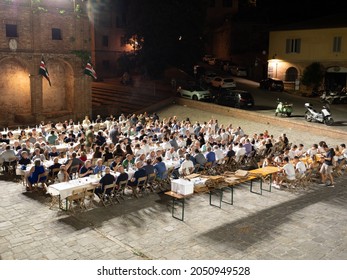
pixel 234 98
pixel 272 84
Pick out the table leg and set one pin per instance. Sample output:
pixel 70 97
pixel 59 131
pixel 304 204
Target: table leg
pixel 231 195
pixel 178 202
pixel 269 190
pixel 261 191
pixel 216 192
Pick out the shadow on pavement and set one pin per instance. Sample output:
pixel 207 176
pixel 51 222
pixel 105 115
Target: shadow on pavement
pixel 243 233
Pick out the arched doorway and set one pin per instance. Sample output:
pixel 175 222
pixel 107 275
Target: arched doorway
pixel 291 74
pixel 59 96
pixel 15 88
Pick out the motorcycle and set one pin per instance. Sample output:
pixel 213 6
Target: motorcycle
pixel 334 97
pixel 324 116
pixel 283 108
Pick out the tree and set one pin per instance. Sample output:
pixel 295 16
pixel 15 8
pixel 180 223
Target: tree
pixel 169 32
pixel 313 75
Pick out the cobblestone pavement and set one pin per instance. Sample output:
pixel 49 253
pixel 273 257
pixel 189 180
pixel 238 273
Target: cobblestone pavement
pixel 281 224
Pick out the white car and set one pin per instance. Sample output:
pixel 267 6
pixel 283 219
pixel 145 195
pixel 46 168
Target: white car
pixel 195 93
pixel 220 82
pixel 238 71
pixel 208 77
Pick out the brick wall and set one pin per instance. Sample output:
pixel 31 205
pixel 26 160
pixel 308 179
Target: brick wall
pixel 24 95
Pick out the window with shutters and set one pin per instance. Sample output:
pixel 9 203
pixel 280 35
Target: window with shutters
pixel 337 44
pixel 293 45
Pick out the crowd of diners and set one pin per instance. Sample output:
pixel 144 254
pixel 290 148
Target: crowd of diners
pixel 145 142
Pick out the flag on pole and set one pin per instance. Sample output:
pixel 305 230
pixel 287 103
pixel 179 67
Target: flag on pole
pixel 43 71
pixel 89 70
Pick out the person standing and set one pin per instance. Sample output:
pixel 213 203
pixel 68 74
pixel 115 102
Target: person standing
pixel 326 170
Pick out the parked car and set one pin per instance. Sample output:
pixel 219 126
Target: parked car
pixel 209 76
pixel 220 82
pixel 238 71
pixel 212 61
pixel 207 57
pixel 235 98
pixel 194 92
pixel 272 84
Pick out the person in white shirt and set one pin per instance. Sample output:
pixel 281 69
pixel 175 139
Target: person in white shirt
pixel 300 167
pixel 219 154
pixel 240 151
pixel 166 144
pixel 300 151
pixel 171 154
pixel 312 151
pixel 187 166
pixel 288 172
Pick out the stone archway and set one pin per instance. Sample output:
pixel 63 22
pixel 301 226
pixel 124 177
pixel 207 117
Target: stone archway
pixel 291 74
pixel 14 88
pixel 59 96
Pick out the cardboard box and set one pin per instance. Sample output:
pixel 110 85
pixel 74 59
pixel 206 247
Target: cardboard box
pixel 182 186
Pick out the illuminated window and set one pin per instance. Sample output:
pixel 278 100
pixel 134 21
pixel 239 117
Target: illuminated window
pixel 293 45
pixel 56 34
pixel 337 44
pixel 11 30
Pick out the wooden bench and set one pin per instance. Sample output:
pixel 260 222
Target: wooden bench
pixel 179 200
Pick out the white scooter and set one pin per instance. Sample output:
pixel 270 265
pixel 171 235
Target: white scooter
pixel 324 116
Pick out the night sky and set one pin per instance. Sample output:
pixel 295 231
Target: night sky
pixel 281 11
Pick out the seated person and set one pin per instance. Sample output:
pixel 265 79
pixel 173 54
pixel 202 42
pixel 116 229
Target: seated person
pixel 140 172
pixel 160 167
pixel 73 161
pixel 300 167
pixel 287 172
pixel 99 167
pixel 116 162
pixel 210 155
pixel 34 173
pixel 187 166
pixel 122 176
pixel 24 160
pixel 55 165
pixel 129 161
pixel 107 179
pixel 86 170
pixel 53 153
pixel 38 155
pixel 62 175
pixel 149 167
pixel 8 157
pixel 200 158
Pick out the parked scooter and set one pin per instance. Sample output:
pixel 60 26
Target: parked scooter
pixel 324 116
pixel 335 97
pixel 283 108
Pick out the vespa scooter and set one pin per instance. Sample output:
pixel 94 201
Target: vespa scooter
pixel 324 116
pixel 283 108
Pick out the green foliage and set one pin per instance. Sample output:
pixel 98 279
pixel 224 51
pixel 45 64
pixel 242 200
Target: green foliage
pixel 61 11
pixel 35 6
pixel 83 55
pixel 313 75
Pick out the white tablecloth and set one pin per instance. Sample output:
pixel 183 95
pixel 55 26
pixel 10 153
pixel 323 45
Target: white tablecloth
pixel 65 189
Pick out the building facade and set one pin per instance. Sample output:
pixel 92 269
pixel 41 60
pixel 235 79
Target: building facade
pixel 108 36
pixel 59 32
pixel 291 50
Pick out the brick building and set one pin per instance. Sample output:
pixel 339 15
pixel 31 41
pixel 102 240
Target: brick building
pixel 60 32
